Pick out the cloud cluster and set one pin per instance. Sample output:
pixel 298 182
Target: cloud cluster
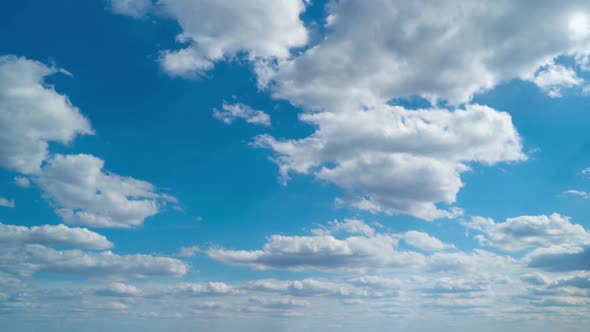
pixel 525 232
pixel 9 203
pixel 448 51
pixel 230 112
pixel 85 194
pixel 59 235
pixel 32 114
pixel 323 252
pixel 215 30
pixel 105 264
pixel 397 160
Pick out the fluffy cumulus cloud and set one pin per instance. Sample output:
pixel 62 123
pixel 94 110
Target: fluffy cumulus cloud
pixel 397 160
pixel 118 289
pixel 560 258
pixel 36 258
pixel 423 241
pixel 323 252
pixel 352 226
pixel 5 202
pixel 279 303
pixel 53 235
pixel 524 232
pixel 579 193
pixel 32 114
pixel 133 8
pixel 552 78
pixel 83 193
pixel 449 50
pixel 22 181
pixel 230 112
pixel 203 289
pixel 214 30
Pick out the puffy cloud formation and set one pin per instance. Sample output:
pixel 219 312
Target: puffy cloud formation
pixel 204 289
pixel 9 203
pixel 22 181
pixel 561 258
pixel 60 235
pixel 397 160
pixel 230 112
pixel 133 8
pixel 311 288
pixel 352 226
pixel 216 30
pixel 84 194
pixel 118 289
pixel 38 258
pixel 423 241
pixel 552 78
pixel 189 251
pixel 578 193
pixel 323 252
pixel 32 114
pixel 449 50
pixel 524 232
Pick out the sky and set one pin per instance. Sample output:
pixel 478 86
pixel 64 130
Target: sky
pixel 294 165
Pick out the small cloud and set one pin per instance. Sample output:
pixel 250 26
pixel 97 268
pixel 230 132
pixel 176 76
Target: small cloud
pixel 578 193
pixel 9 203
pixel 231 112
pixel 188 251
pixel 22 181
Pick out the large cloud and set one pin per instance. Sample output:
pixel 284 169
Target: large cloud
pixel 322 253
pixel 561 258
pixel 84 194
pixel 37 258
pixel 378 50
pixel 216 30
pixel 32 114
pixel 399 160
pixel 53 235
pixel 524 232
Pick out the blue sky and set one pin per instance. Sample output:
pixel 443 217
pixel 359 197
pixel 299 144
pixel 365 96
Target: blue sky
pixel 294 165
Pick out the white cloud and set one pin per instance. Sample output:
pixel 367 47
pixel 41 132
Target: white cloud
pixel 118 289
pixel 133 8
pixel 216 30
pixel 231 112
pixel 279 303
pixel 204 289
pixel 377 282
pixel 578 193
pixel 9 203
pixel 424 241
pixel 189 251
pixel 38 258
pixel 560 258
pixel 309 288
pixel 447 50
pixel 32 114
pixel 85 194
pixel 60 235
pixel 397 160
pixel 22 181
pixel 321 253
pixel 552 78
pixel 452 285
pixel 524 232
pixel 352 226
